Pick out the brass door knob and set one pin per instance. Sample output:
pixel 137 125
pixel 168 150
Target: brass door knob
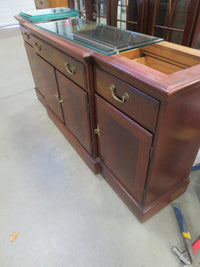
pixel 97 130
pixel 37 46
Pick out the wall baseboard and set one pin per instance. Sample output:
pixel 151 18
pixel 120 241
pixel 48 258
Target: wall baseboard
pixel 196 167
pixel 8 31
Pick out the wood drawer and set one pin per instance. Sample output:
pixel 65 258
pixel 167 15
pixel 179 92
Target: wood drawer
pixel 139 106
pixel 26 35
pixel 72 68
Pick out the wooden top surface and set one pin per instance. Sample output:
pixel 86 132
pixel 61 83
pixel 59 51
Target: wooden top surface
pixel 157 83
pixel 169 84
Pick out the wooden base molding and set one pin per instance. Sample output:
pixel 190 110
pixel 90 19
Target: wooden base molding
pixel 143 213
pixel 93 164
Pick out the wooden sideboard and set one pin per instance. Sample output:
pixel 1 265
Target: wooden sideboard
pixel 133 116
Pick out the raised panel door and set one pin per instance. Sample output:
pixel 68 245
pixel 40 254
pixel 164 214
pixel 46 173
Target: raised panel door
pixel 124 147
pixel 75 110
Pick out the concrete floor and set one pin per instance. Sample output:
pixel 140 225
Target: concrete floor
pixel 65 215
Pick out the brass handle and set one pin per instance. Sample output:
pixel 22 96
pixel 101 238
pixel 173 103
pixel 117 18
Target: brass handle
pixel 26 35
pixel 56 95
pixel 69 69
pixel 37 46
pixel 125 96
pixel 97 130
pixel 60 100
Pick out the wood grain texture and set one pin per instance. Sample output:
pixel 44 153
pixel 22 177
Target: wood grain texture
pixel 131 54
pixel 58 3
pixel 142 213
pixel 75 50
pixel 177 54
pixel 92 163
pixel 45 80
pixel 160 117
pixel 91 90
pixel 176 143
pixel 58 59
pixel 151 81
pixel 158 64
pixel 75 110
pixel 124 147
pixel 137 75
pixel 140 107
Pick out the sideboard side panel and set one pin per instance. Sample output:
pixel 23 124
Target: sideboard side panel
pixel 176 144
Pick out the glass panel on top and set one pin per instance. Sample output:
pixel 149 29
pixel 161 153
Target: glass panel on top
pixel 102 38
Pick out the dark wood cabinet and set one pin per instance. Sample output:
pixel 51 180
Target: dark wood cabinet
pixel 61 85
pixel 140 107
pixel 132 116
pixel 124 147
pixel 45 81
pixel 171 112
pixel 75 110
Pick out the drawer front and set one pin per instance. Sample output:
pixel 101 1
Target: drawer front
pixel 69 66
pixel 134 103
pixel 45 80
pixel 26 35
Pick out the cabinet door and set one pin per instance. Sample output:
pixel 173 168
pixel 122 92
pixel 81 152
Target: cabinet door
pixel 124 147
pixel 75 110
pixel 45 80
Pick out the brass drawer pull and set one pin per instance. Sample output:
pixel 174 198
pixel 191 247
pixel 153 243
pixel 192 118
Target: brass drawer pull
pixel 26 35
pixel 69 69
pixel 37 46
pixel 125 96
